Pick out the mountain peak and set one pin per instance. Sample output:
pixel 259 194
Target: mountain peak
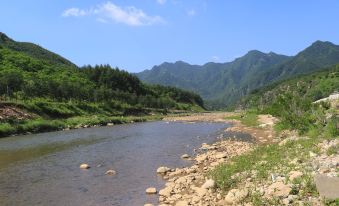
pixel 320 48
pixel 322 43
pixel 4 38
pixel 180 62
pixel 254 52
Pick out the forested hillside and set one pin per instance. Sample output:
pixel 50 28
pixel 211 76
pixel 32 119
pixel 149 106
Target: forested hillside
pixel 48 86
pixel 223 84
pixel 292 100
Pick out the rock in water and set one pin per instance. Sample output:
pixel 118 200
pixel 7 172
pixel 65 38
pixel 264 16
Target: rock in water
pixel 163 170
pixel 110 172
pixel 208 184
pixel 185 156
pixel 84 166
pixel 151 190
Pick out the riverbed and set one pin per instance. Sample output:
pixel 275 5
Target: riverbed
pixel 43 169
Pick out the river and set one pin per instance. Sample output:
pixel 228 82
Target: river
pixel 43 169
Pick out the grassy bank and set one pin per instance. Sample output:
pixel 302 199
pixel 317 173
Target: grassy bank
pixel 316 124
pixel 45 125
pixel 43 114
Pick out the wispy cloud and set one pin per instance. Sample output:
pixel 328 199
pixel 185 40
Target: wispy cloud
pixel 110 12
pixel 74 12
pixel 161 2
pixel 191 12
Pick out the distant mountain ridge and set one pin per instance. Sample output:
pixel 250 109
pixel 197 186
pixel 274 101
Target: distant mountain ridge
pixel 222 84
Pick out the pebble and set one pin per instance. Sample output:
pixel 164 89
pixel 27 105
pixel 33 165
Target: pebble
pixel 84 166
pixel 151 190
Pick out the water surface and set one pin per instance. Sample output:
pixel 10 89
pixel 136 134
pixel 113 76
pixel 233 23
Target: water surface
pixel 43 169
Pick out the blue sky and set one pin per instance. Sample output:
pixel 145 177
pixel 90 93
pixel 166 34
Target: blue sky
pixel 135 35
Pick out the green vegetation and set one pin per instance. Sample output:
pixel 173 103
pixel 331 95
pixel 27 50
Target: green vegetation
pixel 264 160
pixel 223 84
pixel 52 90
pixel 45 125
pixel 290 101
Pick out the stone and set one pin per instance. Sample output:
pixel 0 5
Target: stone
pixel 110 124
pixel 181 203
pixel 163 170
pixel 166 192
pixel 110 172
pixel 201 158
pixel 324 170
pixel 294 175
pixel 84 166
pixel 278 189
pixel 201 192
pixel 221 155
pixel 185 156
pixel 151 190
pixel 235 196
pixel 208 184
pixel 327 186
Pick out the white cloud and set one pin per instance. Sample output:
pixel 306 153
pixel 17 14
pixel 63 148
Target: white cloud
pixel 191 12
pixel 109 12
pixel 74 12
pixel 161 2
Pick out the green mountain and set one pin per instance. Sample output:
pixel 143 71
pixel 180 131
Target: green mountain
pixel 292 101
pixel 33 51
pixel 29 72
pixel 223 84
pixel 313 86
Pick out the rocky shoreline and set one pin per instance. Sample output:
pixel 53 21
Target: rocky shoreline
pixel 194 186
pixel 191 185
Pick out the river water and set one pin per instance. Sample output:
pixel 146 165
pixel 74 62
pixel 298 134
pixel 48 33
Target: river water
pixel 43 169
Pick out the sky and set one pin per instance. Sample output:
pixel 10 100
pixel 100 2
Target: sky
pixel 135 35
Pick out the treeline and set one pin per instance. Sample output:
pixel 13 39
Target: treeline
pixel 23 77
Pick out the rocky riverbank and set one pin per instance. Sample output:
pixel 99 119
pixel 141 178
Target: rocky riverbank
pixel 192 186
pixel 282 169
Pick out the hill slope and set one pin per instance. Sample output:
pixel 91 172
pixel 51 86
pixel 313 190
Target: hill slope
pixel 33 50
pixel 223 84
pixel 312 87
pixel 48 86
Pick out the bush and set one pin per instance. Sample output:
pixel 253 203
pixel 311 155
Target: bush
pixel 6 129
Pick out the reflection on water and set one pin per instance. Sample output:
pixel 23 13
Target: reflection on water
pixel 43 169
